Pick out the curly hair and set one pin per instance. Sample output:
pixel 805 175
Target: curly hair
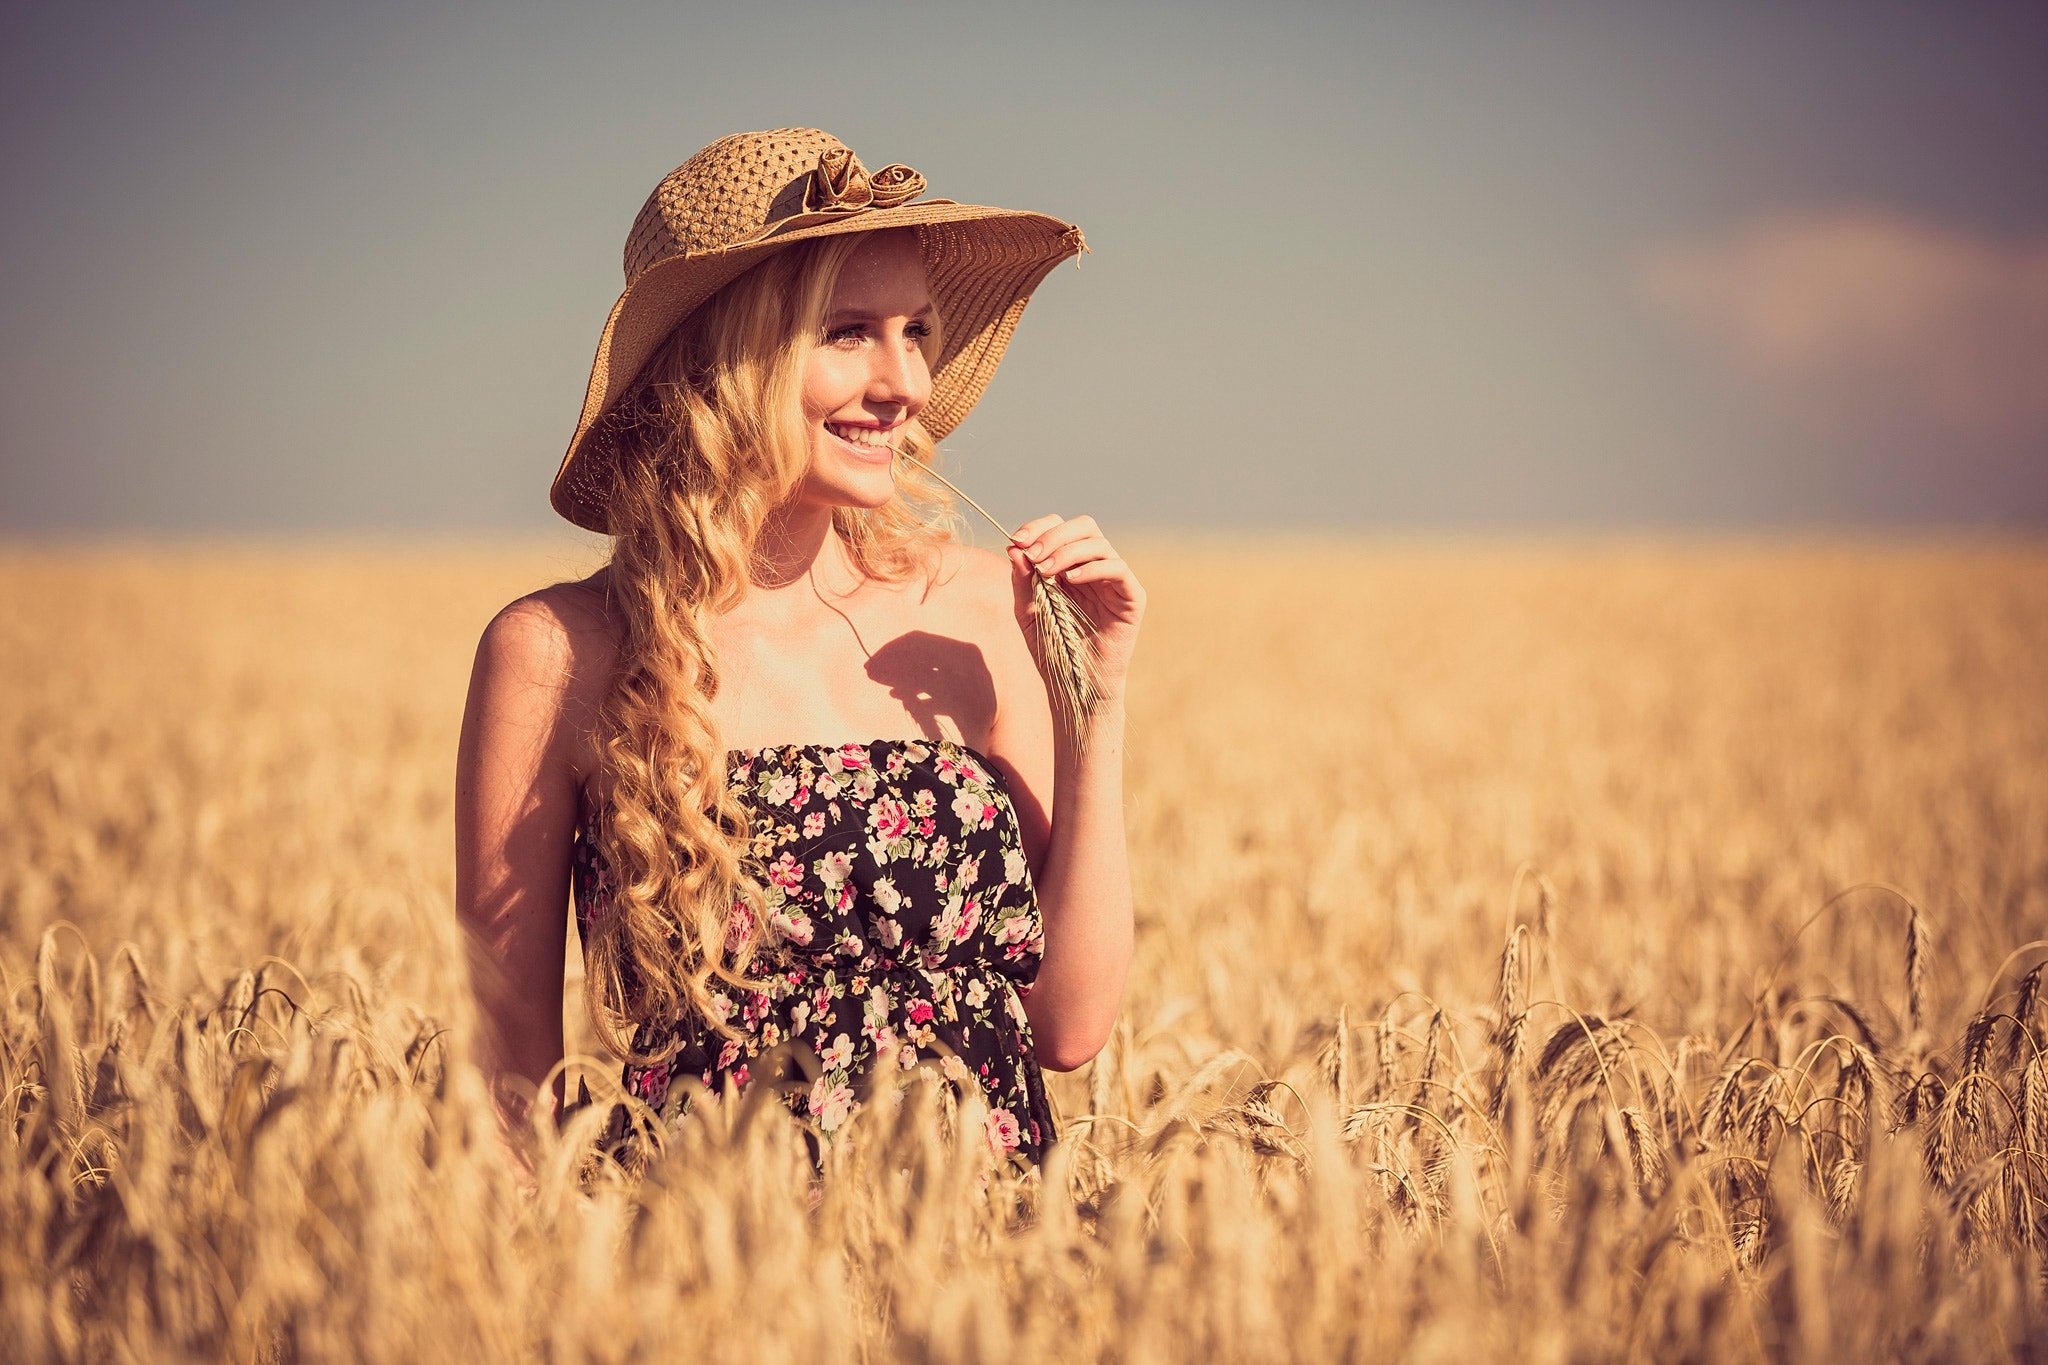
pixel 711 439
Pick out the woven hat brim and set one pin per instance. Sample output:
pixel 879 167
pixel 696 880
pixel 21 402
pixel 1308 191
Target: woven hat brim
pixel 982 265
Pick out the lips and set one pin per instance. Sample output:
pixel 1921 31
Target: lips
pixel 870 445
pixel 876 437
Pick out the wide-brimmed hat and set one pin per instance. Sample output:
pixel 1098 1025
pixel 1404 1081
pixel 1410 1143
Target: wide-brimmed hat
pixel 745 196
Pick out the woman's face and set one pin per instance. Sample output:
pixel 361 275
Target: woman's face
pixel 868 376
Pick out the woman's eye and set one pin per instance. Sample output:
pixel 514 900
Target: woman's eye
pixel 918 331
pixel 840 336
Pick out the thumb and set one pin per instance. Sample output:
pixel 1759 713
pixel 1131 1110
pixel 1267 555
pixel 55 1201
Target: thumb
pixel 1021 573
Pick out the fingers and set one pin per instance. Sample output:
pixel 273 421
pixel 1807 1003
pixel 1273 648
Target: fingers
pixel 1048 538
pixel 1073 555
pixel 1028 534
pixel 1020 579
pixel 1104 570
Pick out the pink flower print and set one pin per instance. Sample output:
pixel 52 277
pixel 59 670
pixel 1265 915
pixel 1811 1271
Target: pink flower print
pixel 780 790
pixel 739 925
pixel 1013 865
pixel 864 786
pixel 925 827
pixel 1002 1130
pixel 740 1076
pixel 894 764
pixel 821 1001
pixel 814 824
pixel 834 868
pixel 946 924
pixel 786 872
pixel 792 925
pixel 652 1083
pixel 801 799
pixel 838 1055
pixel 970 920
pixel 889 819
pixel 886 896
pixel 1015 929
pixel 854 757
pixel 920 1011
pixel 968 807
pixel 728 1054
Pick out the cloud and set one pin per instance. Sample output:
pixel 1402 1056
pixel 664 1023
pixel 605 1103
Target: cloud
pixel 1872 315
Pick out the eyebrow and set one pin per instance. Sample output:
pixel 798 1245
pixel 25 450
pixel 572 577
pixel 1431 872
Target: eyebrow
pixel 865 315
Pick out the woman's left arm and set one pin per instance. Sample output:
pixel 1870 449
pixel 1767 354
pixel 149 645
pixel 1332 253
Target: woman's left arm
pixel 1084 883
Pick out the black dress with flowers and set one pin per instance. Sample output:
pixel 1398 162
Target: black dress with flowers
pixel 904 925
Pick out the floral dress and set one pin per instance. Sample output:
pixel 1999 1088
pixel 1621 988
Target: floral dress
pixel 904 925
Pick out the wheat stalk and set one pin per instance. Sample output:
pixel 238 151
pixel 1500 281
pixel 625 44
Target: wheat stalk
pixel 1063 636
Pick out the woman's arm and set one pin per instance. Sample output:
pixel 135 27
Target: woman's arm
pixel 517 785
pixel 1084 882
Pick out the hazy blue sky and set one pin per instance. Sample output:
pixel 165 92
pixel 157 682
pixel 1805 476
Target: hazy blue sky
pixel 1427 266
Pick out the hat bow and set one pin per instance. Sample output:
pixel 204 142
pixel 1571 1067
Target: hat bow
pixel 841 184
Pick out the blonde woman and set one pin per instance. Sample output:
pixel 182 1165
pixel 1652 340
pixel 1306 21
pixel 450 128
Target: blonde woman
pixel 789 750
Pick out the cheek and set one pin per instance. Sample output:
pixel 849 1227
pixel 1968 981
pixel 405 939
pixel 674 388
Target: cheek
pixel 921 379
pixel 826 386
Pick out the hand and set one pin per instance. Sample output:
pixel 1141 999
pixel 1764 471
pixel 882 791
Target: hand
pixel 1097 579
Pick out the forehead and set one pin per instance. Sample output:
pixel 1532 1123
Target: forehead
pixel 883 277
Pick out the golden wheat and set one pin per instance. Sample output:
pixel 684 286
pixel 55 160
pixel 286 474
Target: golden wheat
pixel 1543 954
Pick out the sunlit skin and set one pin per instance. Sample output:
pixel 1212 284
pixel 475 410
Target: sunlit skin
pixel 868 376
pixel 816 652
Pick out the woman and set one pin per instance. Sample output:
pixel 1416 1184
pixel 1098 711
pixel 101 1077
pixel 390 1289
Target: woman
pixel 790 744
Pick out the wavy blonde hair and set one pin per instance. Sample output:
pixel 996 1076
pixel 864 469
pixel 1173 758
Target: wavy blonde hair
pixel 709 442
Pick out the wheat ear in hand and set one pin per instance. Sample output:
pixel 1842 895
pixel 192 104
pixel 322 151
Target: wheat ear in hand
pixel 1062 634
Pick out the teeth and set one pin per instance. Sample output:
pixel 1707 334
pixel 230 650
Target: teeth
pixel 860 436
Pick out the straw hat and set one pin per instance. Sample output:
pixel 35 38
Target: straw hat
pixel 744 196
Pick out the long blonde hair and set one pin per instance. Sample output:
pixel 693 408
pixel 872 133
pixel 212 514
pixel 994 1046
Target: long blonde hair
pixel 708 443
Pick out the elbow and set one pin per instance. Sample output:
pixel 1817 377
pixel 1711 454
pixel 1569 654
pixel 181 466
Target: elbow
pixel 1069 1054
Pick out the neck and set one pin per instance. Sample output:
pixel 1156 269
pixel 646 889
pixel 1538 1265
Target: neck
pixel 797 539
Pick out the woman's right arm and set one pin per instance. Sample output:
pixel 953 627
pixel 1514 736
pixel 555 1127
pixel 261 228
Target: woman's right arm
pixel 519 774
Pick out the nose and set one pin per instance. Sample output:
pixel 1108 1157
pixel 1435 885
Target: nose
pixel 899 377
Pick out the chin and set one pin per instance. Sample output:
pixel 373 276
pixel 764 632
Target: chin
pixel 837 481
pixel 866 490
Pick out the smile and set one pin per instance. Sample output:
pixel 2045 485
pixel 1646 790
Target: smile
pixel 869 443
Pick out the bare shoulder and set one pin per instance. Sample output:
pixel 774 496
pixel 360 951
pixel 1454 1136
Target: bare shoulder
pixel 562 639
pixel 973 583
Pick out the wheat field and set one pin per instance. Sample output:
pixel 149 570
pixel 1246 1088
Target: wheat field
pixel 1548 952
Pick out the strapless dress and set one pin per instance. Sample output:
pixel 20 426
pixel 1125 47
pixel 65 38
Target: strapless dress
pixel 905 927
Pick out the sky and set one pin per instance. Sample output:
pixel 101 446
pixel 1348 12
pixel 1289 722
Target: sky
pixel 1373 268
